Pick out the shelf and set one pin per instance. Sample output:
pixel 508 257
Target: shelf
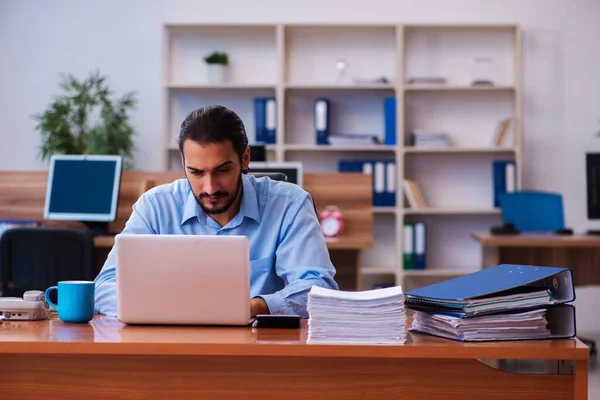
pixel 356 86
pixel 421 88
pixel 384 210
pixel 377 270
pixel 192 86
pixel 436 272
pixel 346 147
pixel 452 211
pixel 452 150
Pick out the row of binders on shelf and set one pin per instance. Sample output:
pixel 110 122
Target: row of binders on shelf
pixel 505 302
pixel 384 178
pixel 414 245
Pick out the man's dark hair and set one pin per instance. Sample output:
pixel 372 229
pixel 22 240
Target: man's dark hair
pixel 214 124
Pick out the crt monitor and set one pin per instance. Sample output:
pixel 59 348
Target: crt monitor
pixel 293 170
pixel 83 188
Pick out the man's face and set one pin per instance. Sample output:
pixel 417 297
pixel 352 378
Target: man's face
pixel 214 173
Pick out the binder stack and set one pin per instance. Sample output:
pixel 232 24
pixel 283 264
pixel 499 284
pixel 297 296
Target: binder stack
pixel 373 316
pixel 506 302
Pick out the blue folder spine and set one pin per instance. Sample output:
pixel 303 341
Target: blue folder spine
pixel 322 120
pixel 501 180
pixel 389 117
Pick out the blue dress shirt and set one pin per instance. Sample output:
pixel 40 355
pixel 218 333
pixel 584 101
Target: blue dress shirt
pixel 288 253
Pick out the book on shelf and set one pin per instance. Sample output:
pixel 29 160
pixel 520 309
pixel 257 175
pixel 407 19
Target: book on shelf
pixel 413 194
pixel 502 132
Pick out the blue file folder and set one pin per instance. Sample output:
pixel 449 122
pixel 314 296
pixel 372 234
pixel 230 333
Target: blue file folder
pixel 265 119
pixel 468 295
pixel 389 117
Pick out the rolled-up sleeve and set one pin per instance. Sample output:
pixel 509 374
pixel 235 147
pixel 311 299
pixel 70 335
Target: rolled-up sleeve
pixel 106 282
pixel 302 261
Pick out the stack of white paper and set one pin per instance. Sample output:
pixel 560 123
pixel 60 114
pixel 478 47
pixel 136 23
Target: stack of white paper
pixel 514 326
pixel 368 317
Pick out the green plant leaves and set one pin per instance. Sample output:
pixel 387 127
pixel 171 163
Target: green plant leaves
pixel 217 58
pixel 86 119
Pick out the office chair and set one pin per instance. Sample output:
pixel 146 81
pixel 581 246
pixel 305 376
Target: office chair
pixel 37 258
pixel 280 176
pixel 276 176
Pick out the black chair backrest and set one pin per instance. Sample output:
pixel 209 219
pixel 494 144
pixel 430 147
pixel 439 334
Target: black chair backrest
pixel 37 258
pixel 276 176
pixel 279 176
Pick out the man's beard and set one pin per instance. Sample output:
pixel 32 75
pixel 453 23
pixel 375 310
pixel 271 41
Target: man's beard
pixel 220 194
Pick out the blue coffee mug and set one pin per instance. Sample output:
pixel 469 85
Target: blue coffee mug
pixel 76 300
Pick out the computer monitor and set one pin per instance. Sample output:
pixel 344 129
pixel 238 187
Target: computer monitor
pixel 293 170
pixel 83 188
pixel 593 188
pixel 258 152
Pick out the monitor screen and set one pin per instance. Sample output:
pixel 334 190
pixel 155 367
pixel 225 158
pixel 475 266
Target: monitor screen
pixel 258 153
pixel 293 170
pixel 83 188
pixel 593 185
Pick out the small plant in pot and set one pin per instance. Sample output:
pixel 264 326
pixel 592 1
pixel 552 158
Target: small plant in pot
pixel 217 63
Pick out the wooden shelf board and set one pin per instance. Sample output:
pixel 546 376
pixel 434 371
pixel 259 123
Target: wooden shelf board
pixel 451 211
pixel 425 88
pixel 357 86
pixel 476 150
pixel 437 272
pixel 232 85
pixel 384 210
pixel 345 147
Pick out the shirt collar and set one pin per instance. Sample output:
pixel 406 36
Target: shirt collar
pixel 248 207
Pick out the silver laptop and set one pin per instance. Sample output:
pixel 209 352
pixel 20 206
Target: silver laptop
pixel 183 279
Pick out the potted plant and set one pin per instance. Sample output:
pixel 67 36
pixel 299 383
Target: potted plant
pixel 87 119
pixel 217 63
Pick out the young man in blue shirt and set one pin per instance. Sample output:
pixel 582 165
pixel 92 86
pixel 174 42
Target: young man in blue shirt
pixel 288 253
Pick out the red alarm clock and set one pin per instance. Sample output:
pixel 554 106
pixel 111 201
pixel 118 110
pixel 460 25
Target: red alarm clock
pixel 332 223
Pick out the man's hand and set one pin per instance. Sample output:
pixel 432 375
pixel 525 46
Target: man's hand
pixel 258 306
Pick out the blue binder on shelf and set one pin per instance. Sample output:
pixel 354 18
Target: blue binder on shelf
pixel 504 179
pixel 322 121
pixel 265 119
pixel 384 178
pixel 500 289
pixel 389 118
pixel 391 183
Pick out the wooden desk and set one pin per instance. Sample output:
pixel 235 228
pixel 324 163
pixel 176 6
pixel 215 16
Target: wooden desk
pixel 108 360
pixel 578 252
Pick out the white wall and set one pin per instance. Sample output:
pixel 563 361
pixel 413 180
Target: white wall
pixel 561 44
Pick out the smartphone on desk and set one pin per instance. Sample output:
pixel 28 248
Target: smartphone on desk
pixel 277 321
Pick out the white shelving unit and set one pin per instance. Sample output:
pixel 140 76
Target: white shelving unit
pixel 295 64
